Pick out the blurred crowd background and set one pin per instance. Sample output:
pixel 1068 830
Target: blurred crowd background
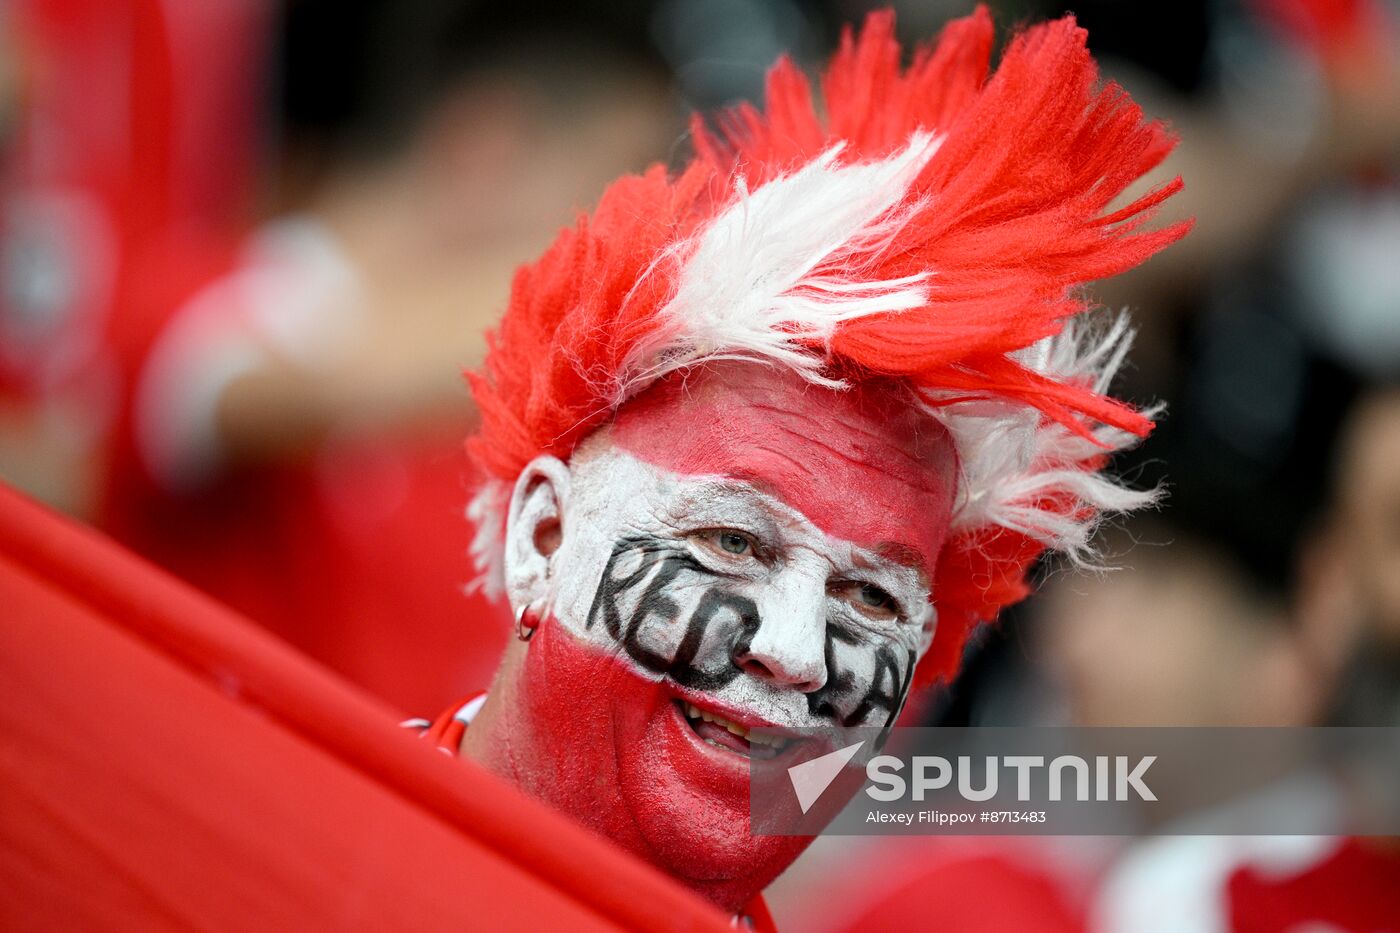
pixel 247 247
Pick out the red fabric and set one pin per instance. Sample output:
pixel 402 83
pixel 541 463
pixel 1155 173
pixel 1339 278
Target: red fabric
pixel 1355 890
pixel 1012 219
pixel 166 765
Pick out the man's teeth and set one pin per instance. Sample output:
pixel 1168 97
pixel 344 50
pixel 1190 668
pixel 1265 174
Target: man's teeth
pixel 694 712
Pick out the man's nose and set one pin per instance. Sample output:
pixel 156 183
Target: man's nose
pixel 789 646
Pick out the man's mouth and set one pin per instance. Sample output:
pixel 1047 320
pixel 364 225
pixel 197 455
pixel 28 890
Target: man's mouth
pixel 722 733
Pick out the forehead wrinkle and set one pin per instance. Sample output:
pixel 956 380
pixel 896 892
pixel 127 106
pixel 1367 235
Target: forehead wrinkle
pixel 902 555
pixel 756 479
pixel 900 552
pixel 711 486
pixel 855 426
pixel 921 469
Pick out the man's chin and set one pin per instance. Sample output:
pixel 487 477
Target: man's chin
pixel 690 801
pixel 703 841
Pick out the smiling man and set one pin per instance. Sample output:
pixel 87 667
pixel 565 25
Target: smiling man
pixel 766 439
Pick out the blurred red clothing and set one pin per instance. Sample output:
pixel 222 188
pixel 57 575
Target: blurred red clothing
pixel 984 893
pixel 357 554
pixel 969 885
pixel 1354 889
pixel 133 138
pixel 358 560
pixel 127 191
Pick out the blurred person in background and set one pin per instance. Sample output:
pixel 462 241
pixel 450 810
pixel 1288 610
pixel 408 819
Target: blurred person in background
pixel 297 424
pixel 1269 622
pixel 1350 574
pixel 278 413
pixel 1184 635
pixel 1348 606
pixel 1177 635
pixel 129 144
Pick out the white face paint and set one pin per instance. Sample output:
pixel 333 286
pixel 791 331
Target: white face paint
pixel 736 549
pixel 733 595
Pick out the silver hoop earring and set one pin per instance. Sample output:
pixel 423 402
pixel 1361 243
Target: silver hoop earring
pixel 526 623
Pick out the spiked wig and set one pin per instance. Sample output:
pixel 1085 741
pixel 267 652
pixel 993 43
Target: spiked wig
pixel 934 223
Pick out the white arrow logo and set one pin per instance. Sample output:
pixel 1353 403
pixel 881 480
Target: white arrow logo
pixel 811 778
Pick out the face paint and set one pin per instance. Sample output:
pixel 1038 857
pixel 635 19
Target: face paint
pixel 676 617
pixel 693 597
pixel 866 465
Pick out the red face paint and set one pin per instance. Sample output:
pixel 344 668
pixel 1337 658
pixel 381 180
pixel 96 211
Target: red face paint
pixel 863 464
pixel 584 731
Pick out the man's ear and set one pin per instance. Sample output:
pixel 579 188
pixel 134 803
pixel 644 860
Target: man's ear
pixel 535 529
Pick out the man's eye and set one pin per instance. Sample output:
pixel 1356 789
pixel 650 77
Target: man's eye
pixel 728 544
pixel 868 599
pixel 734 544
pixel 876 598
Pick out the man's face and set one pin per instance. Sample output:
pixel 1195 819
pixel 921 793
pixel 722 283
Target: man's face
pixel 735 551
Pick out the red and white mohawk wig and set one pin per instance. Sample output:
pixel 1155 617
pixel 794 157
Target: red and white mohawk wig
pixel 934 225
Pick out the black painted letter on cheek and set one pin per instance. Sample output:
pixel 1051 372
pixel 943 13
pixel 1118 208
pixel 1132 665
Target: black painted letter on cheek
pixel 611 588
pixel 653 602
